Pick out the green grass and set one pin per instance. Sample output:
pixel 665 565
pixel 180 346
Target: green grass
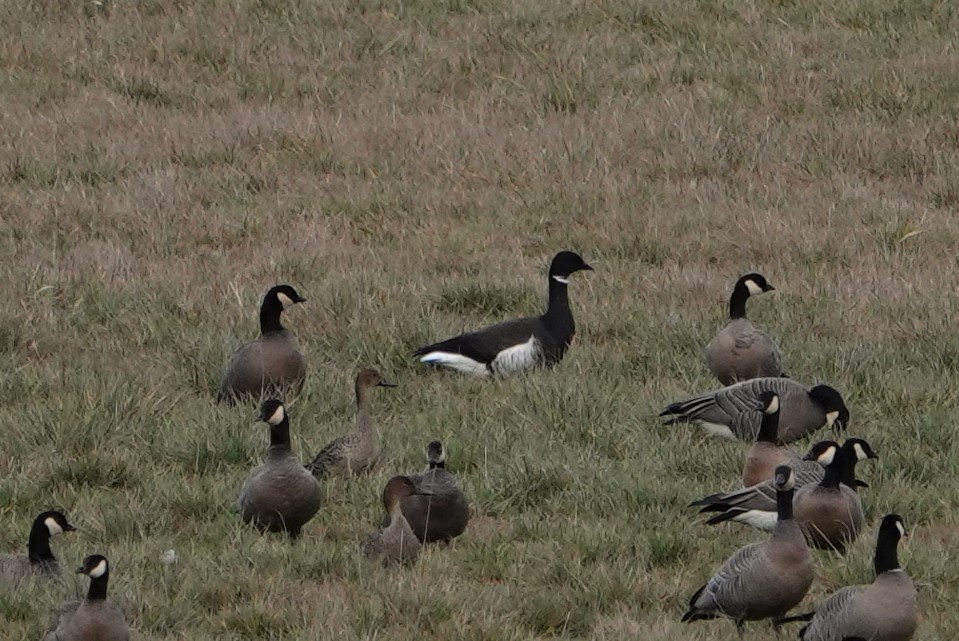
pixel 411 167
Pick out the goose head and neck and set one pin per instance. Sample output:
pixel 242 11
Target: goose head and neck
pixel 891 530
pixel 833 406
pixel 436 455
pixel 854 451
pixel 97 568
pixel 558 317
pixel 274 414
pixel 769 428
pixel 748 285
pixel 274 302
pixel 784 482
pixel 46 526
pixel 830 456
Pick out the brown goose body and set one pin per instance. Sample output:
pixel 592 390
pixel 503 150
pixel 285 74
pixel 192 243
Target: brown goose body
pixel 93 618
pixel 395 543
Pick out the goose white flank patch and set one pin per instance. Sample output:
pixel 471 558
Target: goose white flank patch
pixel 518 345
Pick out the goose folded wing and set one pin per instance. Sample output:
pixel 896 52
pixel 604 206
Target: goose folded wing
pixel 483 345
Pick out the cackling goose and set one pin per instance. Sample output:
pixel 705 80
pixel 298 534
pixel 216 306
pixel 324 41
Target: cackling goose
pixel 884 610
pixel 279 495
pixel 517 345
pixel 439 511
pixel 761 580
pixel 741 351
pixel 93 618
pixel 396 541
pixel 733 411
pixel 357 451
pixel 39 559
pixel 273 364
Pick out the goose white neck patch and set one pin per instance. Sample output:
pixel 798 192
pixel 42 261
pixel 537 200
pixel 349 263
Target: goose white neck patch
pixel 773 405
pixel 285 300
pixel 827 457
pixel 902 530
pixel 561 279
pixel 753 288
pixel 860 452
pixel 831 418
pixel 52 526
pixel 277 417
pixel 99 570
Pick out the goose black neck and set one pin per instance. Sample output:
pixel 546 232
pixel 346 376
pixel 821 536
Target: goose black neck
pixel 737 302
pixel 769 428
pixel 558 317
pixel 38 546
pixel 280 435
pixel 98 587
pixel 887 552
pixel 784 505
pixel 270 312
pixel 437 465
pixel 835 471
pixel 848 475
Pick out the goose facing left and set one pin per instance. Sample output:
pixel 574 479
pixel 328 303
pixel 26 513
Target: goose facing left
pixel 93 618
pixel 280 495
pixel 39 559
pixel 741 351
pixel 515 346
pixel 272 365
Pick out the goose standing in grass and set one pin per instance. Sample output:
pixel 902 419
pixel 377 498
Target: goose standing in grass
pixel 39 559
pixel 830 512
pixel 357 451
pixel 396 542
pixel 279 495
pixel 741 351
pixel 439 511
pixel 761 580
pixel 93 618
pixel 732 412
pixel 884 610
pixel 517 345
pixel 272 365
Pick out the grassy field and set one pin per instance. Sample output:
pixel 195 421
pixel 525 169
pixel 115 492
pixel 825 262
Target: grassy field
pixel 411 167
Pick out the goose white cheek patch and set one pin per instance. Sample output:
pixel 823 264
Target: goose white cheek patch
pixel 277 417
pixel 773 405
pixel 860 452
pixel 560 279
pixel 753 288
pixel 52 526
pixel 826 458
pixel 902 530
pixel 99 570
pixel 285 300
pixel 831 418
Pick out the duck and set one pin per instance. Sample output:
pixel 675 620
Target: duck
pixel 439 511
pixel 761 580
pixel 516 346
pixel 830 512
pixel 756 505
pixel 357 451
pixel 39 559
pixel 272 365
pixel 740 350
pixel 731 412
pixel 93 618
pixel 279 495
pixel 884 610
pixel 395 543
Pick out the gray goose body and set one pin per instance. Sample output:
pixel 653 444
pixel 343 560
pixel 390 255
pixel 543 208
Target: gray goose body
pixel 885 610
pixel 761 580
pixel 357 451
pixel 39 561
pixel 741 351
pixel 440 512
pixel 280 495
pixel 93 618
pixel 272 365
pixel 734 411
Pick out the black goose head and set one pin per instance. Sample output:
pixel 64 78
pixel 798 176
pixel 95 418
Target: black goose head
pixel 784 479
pixel 832 403
pixel 97 568
pixel 274 302
pixel 436 454
pixel 566 263
pixel 753 284
pixel 823 452
pixel 891 530
pixel 858 449
pixel 272 412
pixel 52 523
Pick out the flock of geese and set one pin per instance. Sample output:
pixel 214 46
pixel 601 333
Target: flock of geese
pixel 806 501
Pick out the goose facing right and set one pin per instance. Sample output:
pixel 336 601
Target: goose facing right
pixel 280 495
pixel 514 346
pixel 885 610
pixel 733 412
pixel 93 618
pixel 39 559
pixel 272 365
pixel 741 351
pixel 761 580
pixel 396 542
